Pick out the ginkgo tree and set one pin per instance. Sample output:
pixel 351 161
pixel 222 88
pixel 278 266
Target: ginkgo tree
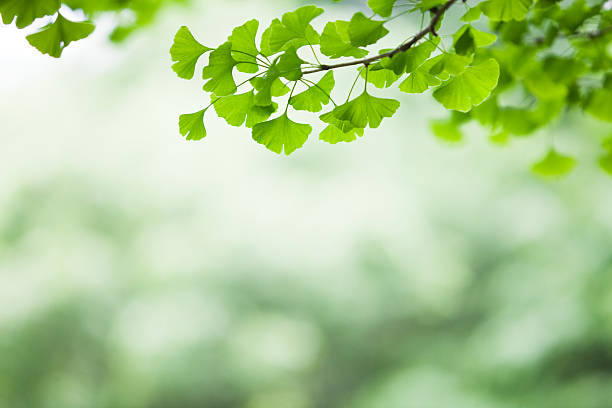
pixel 513 66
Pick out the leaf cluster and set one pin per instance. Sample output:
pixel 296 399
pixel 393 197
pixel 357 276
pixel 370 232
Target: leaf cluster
pixel 513 66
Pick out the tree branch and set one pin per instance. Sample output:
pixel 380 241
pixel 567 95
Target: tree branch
pixel 431 28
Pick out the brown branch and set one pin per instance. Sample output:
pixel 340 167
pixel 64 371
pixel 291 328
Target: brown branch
pixel 431 28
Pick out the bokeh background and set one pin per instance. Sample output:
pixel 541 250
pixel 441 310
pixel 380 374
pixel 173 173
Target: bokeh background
pixel 140 270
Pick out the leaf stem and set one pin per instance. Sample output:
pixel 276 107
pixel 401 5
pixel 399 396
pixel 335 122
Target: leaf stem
pixel 312 83
pixel 253 56
pixel 290 95
pixel 354 82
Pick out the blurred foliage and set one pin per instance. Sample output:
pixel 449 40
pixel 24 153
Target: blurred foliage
pixel 130 15
pixel 508 325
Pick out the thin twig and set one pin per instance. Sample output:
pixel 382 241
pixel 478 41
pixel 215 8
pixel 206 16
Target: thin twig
pixel 431 28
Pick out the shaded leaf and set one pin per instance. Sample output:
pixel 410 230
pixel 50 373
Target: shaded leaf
pixel 219 71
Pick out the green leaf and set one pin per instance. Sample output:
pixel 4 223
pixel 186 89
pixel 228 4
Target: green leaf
pixel 446 130
pixel 219 71
pixel 289 65
pixel 235 109
pixel 554 165
pixel 470 88
pixel 506 10
pixel 27 11
pixel 410 59
pixel 382 7
pixel 425 5
pixel 315 97
pixel 332 134
pixel 468 39
pixel 379 76
pixel 365 110
pixel 472 14
pixel 268 86
pixel 293 31
pixel 186 51
pixel 281 134
pixel 448 63
pixel 364 31
pixel 191 125
pixel 335 41
pixel 605 163
pixel 418 81
pixel 53 38
pixel 542 86
pixel 600 104
pixel 243 43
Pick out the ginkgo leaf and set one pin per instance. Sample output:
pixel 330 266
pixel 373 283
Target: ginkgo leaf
pixel 315 97
pixel 472 14
pixel 235 109
pixel 554 165
pixel 244 49
pixel 446 130
pixel 219 71
pixel 186 51
pixel 409 60
pixel 364 31
pixel 469 88
pixel 53 38
pixel 365 110
pixel 506 10
pixel 605 163
pixel 289 65
pixel 600 104
pixel 467 39
pixel 425 5
pixel 332 134
pixel 418 81
pixel 379 76
pixel 281 134
pixel 268 86
pixel 448 63
pixel 335 41
pixel 191 125
pixel 382 7
pixel 27 11
pixel 294 30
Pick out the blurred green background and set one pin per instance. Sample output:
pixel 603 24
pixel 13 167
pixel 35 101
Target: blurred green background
pixel 140 270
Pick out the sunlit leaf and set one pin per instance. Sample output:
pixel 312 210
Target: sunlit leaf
pixel 281 134
pixel 53 38
pixel 469 88
pixel 315 97
pixel 186 51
